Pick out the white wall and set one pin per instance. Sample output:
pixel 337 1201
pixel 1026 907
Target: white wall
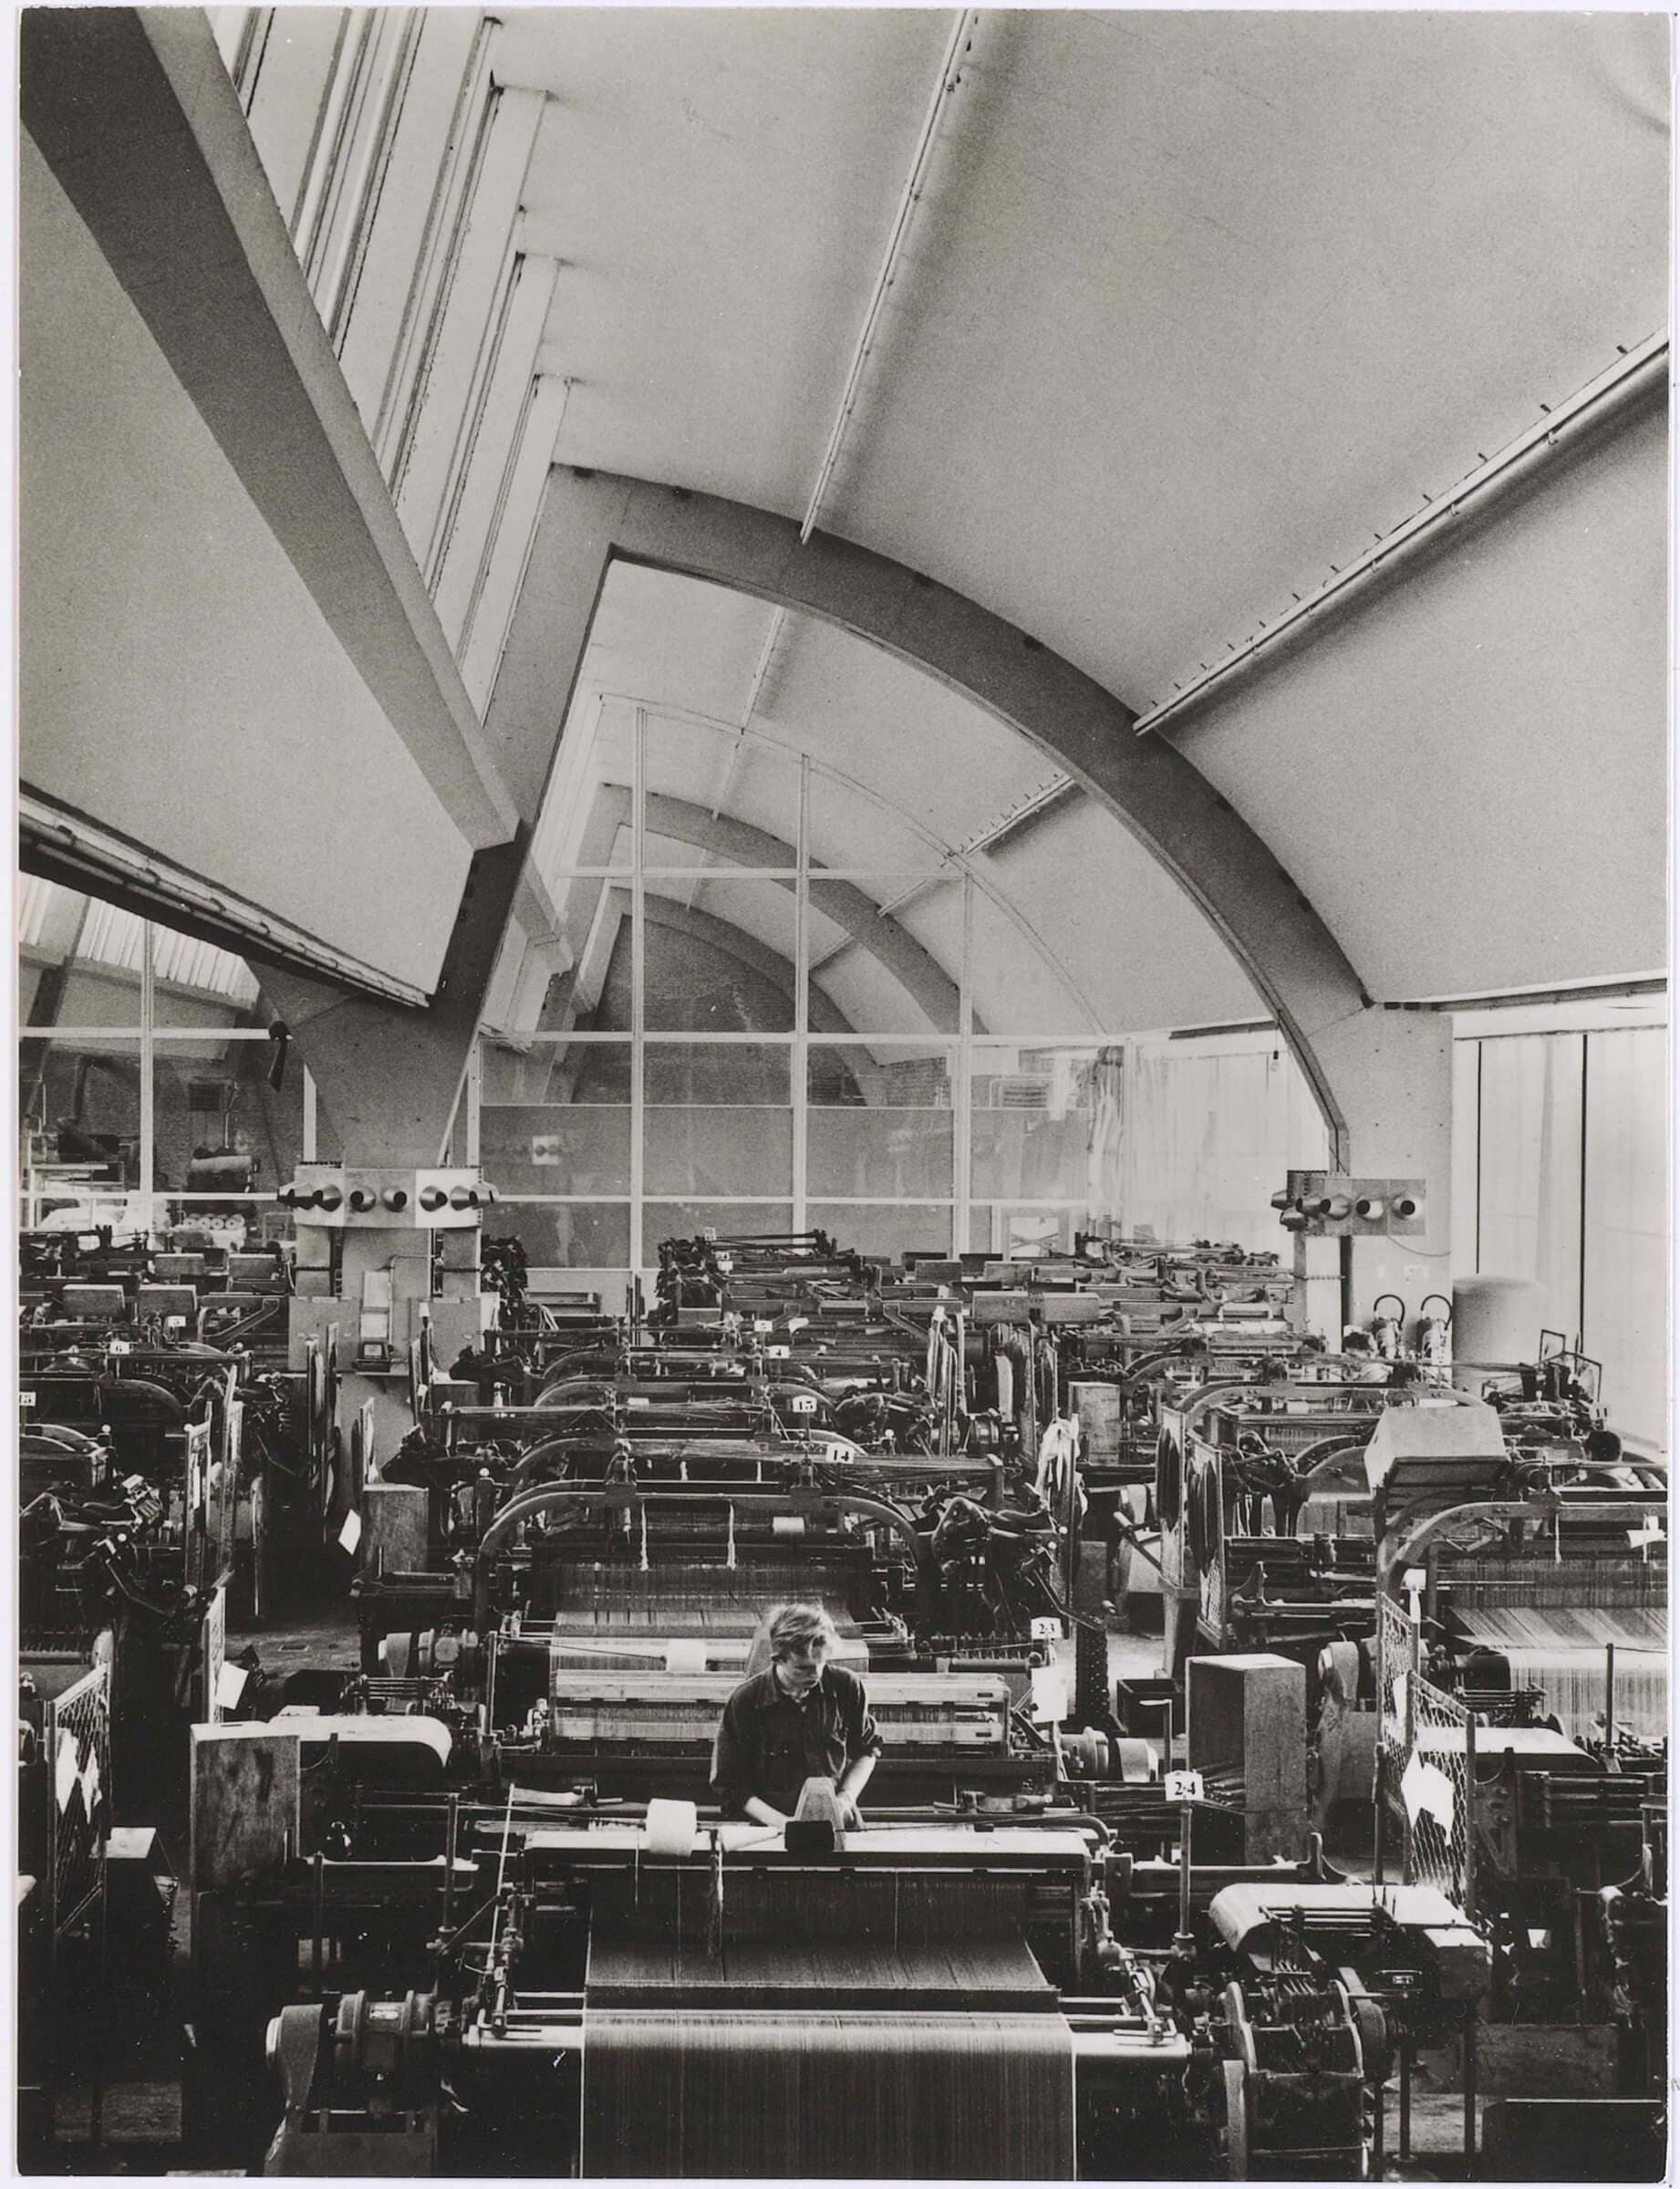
pixel 1560 1132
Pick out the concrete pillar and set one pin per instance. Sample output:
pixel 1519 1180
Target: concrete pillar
pixel 1381 1077
pixel 1392 1076
pixel 388 1078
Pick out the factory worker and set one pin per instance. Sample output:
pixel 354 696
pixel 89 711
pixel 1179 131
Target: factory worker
pixel 800 1718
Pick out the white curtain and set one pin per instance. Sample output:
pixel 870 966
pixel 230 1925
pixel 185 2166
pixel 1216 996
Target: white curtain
pixel 1626 1304
pixel 1212 1132
pixel 1529 1159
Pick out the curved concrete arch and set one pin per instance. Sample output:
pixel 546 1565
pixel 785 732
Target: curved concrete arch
pixel 590 519
pixel 595 845
pixel 732 942
pixel 921 976
pixel 1382 1078
pixel 728 941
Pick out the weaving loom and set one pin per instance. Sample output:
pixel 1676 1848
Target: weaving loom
pixel 925 2001
pixel 1224 1515
pixel 744 2012
pixel 885 2026
pixel 912 1710
pixel 1554 1624
pixel 684 1597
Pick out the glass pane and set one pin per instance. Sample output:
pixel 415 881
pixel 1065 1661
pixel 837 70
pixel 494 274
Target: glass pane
pixel 719 1117
pixel 729 1219
pixel 1530 1213
pixel 594 919
pixel 580 1235
pixel 219 1126
pixel 720 957
pixel 79 1133
pixel 849 828
pixel 880 1121
pixel 880 960
pixel 1015 983
pixel 1022 1234
pixel 557 1118
pixel 884 1228
pixel 197 983
pixel 1211 1132
pixel 78 963
pixel 1466 1099
pixel 1046 1123
pixel 714 794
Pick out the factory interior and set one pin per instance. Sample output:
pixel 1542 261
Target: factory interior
pixel 843 1093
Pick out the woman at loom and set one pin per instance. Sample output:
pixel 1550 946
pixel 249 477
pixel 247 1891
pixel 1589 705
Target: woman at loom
pixel 801 1717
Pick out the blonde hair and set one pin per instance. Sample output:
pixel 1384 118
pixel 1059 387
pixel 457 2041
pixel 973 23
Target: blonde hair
pixel 782 1628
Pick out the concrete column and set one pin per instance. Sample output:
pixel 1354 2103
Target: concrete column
pixel 1393 1074
pixel 1382 1078
pixel 388 1078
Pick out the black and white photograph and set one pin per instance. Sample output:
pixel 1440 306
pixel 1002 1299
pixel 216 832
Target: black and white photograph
pixel 843 1097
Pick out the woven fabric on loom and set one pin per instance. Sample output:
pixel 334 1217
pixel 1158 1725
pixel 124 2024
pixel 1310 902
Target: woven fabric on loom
pixel 697 1599
pixel 638 1649
pixel 803 2095
pixel 1525 1626
pixel 671 1906
pixel 1561 1653
pixel 1616 1584
pixel 981 1976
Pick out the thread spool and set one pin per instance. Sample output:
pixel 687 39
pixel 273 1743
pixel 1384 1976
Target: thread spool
pixel 395 1198
pixel 671 1828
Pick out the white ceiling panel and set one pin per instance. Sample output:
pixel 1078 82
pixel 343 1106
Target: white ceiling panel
pixel 1469 779
pixel 926 750
pixel 178 681
pixel 1132 941
pixel 719 185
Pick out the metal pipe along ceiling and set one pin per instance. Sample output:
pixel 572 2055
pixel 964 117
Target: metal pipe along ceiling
pixel 949 83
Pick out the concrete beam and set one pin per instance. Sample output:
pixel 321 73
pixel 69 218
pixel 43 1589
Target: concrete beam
pixel 136 116
pixel 921 976
pixel 1363 1076
pixel 591 519
pixel 389 1079
pixel 747 951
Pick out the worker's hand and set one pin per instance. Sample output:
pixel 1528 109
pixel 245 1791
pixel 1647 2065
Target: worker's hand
pixel 849 1815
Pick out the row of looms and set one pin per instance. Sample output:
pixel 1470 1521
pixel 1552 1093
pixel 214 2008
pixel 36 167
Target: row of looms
pixel 457 1899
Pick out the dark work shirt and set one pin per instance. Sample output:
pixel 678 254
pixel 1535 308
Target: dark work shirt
pixel 768 1745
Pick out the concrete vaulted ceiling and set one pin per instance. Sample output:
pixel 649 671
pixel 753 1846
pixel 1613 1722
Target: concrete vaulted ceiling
pixel 1194 307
